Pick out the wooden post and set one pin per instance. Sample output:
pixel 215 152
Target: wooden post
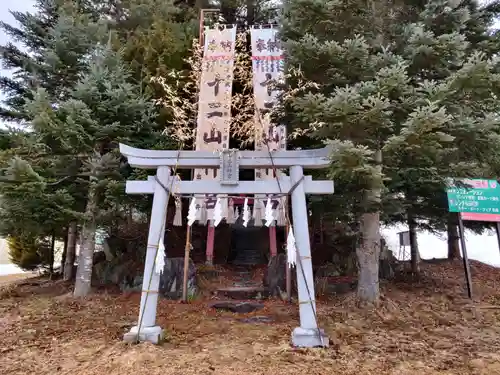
pixel 202 24
pixel 465 258
pixel 497 227
pixel 210 244
pixel 186 264
pixel 273 247
pixel 146 330
pixel 308 334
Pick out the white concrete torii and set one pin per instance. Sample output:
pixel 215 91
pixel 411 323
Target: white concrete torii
pixel 228 163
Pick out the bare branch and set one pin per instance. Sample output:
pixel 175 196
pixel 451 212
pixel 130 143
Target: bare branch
pixel 181 94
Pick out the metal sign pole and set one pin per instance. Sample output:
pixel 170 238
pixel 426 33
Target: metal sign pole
pixel 497 228
pixel 465 258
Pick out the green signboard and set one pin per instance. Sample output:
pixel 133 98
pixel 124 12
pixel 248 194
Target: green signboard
pixel 479 198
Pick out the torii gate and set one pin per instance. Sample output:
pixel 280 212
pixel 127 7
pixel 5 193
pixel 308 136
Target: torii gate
pixel 229 161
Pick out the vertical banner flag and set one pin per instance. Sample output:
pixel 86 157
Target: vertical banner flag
pixel 267 67
pixel 214 107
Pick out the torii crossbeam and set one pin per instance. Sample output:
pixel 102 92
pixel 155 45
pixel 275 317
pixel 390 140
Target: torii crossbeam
pixel 228 163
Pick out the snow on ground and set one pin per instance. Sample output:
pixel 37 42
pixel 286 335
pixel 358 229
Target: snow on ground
pixel 483 248
pixel 9 269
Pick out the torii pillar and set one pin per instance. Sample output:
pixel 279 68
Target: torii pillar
pixel 308 334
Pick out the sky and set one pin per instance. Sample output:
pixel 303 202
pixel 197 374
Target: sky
pixel 5 16
pixel 480 247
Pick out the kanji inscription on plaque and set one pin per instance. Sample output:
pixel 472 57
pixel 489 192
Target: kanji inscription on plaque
pixel 229 167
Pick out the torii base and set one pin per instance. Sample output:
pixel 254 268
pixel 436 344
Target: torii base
pixel 148 334
pixel 309 338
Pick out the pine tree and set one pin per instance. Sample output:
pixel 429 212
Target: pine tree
pixel 61 38
pixel 57 37
pixel 30 253
pixel 102 110
pixel 378 107
pixel 31 36
pixel 154 36
pixel 425 204
pixel 33 60
pixel 32 210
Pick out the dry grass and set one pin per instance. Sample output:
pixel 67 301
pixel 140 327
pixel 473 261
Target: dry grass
pixel 422 327
pixel 8 279
pixel 225 277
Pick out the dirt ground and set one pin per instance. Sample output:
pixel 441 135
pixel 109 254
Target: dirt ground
pixel 422 327
pixel 7 279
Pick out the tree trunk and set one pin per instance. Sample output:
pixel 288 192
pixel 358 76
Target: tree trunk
pixel 69 262
pixel 415 254
pixel 321 231
pixel 86 258
pixel 453 237
pixel 52 256
pixel 65 250
pixel 368 252
pixel 250 12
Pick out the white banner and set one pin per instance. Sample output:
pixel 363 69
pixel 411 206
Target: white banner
pixel 267 67
pixel 214 109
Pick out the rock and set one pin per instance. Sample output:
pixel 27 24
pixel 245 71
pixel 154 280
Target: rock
pixel 102 272
pixel 345 263
pixel 132 284
pixel 172 277
pixel 208 272
pixel 387 263
pixel 257 319
pixel 342 264
pixel 243 292
pixel 112 272
pixel 477 363
pixel 328 270
pixel 341 285
pixel 385 269
pixel 237 307
pixel 99 257
pixel 129 276
pixel 334 285
pixel 275 276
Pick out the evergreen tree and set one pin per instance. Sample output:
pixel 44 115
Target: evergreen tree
pixel 378 107
pixel 56 39
pixel 60 39
pixel 31 211
pixel 422 201
pixel 103 109
pixel 32 59
pixel 22 59
pixel 29 253
pixel 154 36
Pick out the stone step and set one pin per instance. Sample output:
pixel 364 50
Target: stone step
pixel 248 258
pixel 241 307
pixel 244 292
pixel 242 273
pixel 245 283
pixel 246 262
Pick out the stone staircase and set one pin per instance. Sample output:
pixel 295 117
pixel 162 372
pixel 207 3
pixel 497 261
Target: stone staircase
pixel 245 244
pixel 243 290
pixel 248 257
pixel 243 286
